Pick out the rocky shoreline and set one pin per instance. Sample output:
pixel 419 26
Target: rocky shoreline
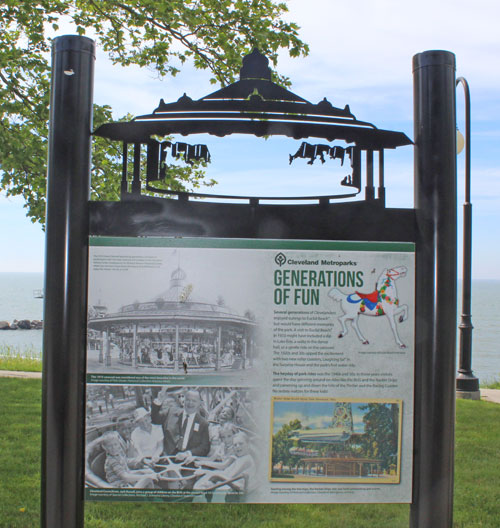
pixel 23 324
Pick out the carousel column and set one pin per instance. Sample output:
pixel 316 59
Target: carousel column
pixel 250 349
pixel 219 345
pixel 101 348
pixel 107 349
pixel 244 351
pixel 176 359
pixel 134 346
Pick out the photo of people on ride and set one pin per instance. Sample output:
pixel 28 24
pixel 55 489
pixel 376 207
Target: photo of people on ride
pixel 171 438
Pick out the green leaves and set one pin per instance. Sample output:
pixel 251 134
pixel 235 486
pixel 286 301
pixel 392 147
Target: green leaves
pixel 381 432
pixel 211 34
pixel 282 443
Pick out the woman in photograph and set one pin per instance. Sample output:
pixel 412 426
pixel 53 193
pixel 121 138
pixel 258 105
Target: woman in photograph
pixel 146 438
pixel 243 465
pixel 117 471
pixel 222 454
pixel 221 414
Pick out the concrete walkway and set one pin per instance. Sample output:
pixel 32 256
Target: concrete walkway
pixel 19 374
pixel 490 395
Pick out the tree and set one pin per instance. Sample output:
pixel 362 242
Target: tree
pixel 212 34
pixel 282 443
pixel 381 432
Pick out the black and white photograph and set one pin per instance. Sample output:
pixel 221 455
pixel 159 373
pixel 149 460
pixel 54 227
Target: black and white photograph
pixel 171 438
pixel 181 441
pixel 170 311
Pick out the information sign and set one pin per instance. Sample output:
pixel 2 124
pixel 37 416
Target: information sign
pixel 250 370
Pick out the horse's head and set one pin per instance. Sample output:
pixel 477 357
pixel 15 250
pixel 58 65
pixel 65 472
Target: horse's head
pixel 392 274
pixel 397 272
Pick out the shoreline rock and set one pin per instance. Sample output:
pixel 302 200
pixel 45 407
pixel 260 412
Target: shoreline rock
pixel 23 324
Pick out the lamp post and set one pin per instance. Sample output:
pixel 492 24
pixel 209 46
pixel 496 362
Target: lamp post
pixel 467 384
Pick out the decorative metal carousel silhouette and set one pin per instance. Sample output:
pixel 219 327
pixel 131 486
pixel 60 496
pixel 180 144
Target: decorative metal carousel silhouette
pixel 258 106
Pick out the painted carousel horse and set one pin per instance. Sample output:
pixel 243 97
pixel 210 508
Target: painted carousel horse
pixel 383 301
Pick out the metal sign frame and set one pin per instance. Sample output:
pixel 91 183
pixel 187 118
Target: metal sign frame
pixel 71 218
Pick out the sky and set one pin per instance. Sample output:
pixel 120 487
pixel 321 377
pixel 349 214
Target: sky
pixel 314 414
pixel 360 54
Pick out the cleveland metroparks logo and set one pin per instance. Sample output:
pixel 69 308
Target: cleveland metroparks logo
pixel 280 259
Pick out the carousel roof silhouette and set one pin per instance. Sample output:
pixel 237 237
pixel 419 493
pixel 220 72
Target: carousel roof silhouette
pixel 253 105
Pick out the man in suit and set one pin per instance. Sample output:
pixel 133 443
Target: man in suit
pixel 194 438
pixel 185 431
pixel 165 411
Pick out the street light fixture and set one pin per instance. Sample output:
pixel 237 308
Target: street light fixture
pixel 467 384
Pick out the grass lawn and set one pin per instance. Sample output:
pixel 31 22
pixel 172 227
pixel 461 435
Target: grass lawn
pixel 477 481
pixel 11 358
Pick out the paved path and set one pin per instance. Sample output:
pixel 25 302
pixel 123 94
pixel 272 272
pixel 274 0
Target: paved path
pixel 490 395
pixel 19 374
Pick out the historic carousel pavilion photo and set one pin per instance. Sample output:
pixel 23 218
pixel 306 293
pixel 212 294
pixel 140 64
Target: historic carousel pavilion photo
pixel 174 332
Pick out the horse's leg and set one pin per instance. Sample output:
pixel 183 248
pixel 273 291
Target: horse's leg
pixel 362 338
pixel 342 320
pixel 402 311
pixel 391 316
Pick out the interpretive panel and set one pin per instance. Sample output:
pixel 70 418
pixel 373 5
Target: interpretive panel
pixel 245 370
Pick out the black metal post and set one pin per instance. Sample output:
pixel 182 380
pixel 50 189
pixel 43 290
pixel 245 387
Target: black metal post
pixel 136 182
pixel 436 296
pixel 381 184
pixel 467 383
pixel 65 308
pixel 124 183
pixel 369 189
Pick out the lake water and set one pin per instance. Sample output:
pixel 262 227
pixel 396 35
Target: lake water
pixel 17 302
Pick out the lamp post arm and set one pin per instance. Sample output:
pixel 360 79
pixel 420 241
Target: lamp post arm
pixel 465 84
